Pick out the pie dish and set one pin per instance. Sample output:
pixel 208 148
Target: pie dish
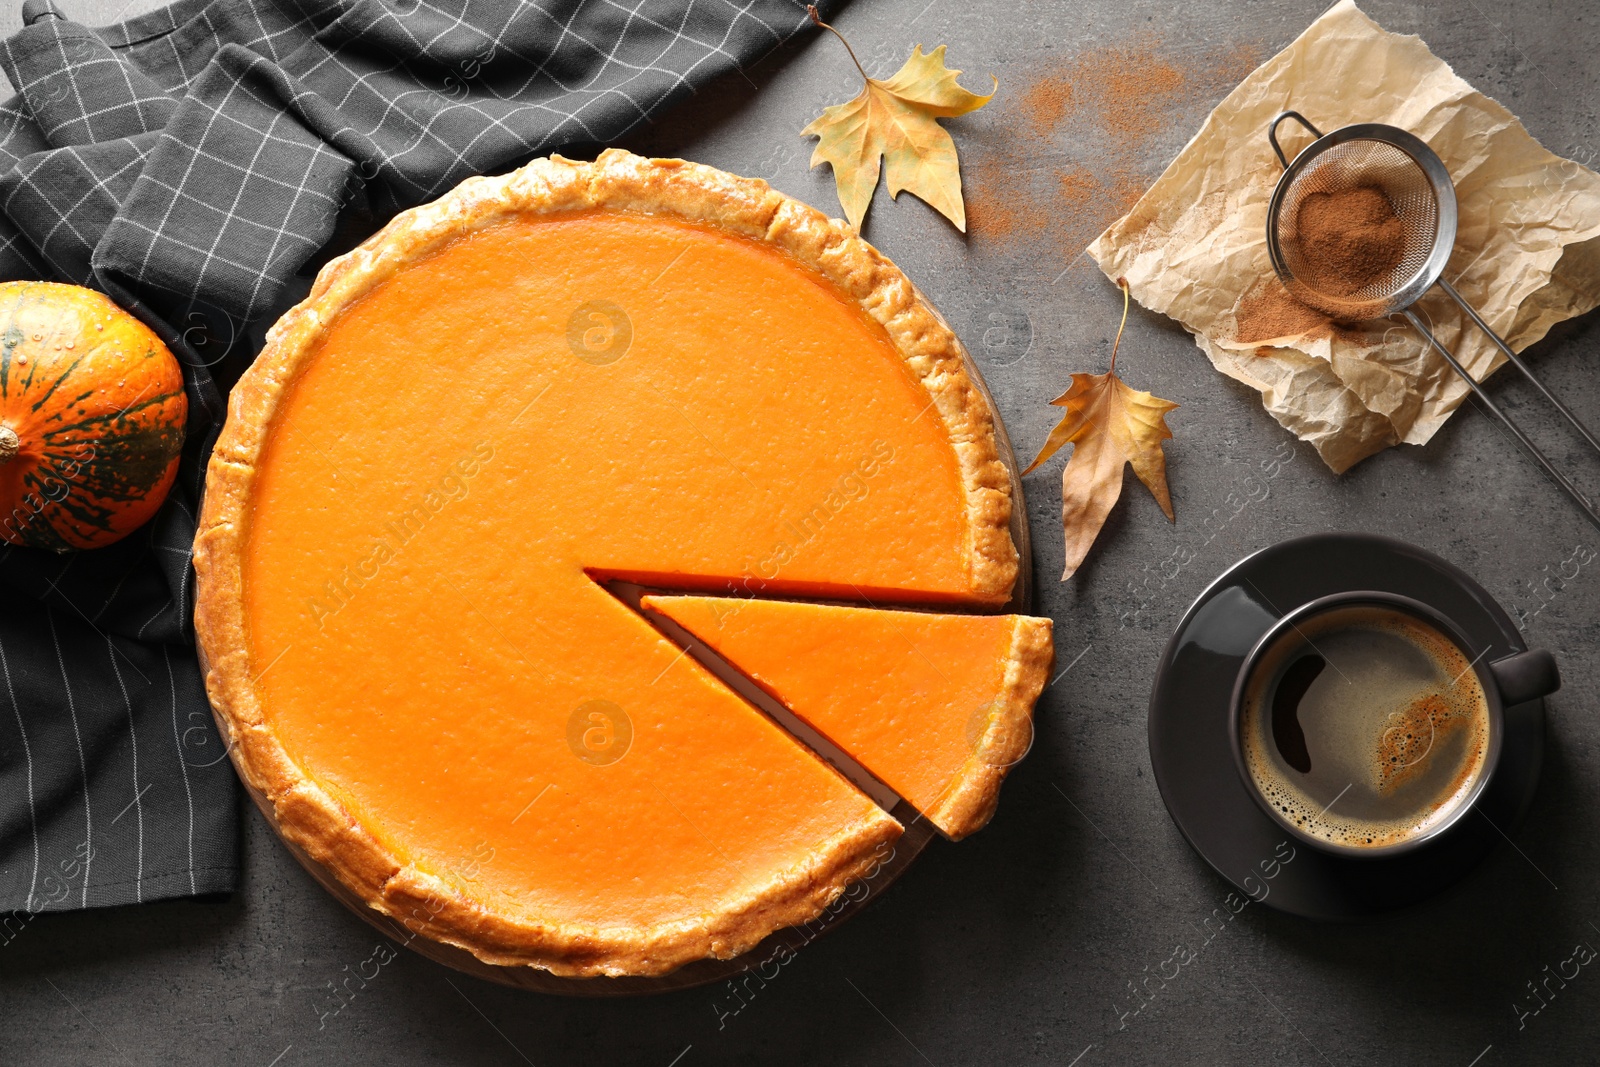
pixel 627 370
pixel 937 706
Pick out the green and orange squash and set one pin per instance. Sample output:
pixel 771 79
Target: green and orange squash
pixel 92 412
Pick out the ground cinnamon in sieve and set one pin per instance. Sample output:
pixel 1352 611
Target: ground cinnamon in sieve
pixel 1349 239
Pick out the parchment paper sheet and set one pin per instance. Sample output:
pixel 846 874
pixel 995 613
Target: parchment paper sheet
pixel 1527 251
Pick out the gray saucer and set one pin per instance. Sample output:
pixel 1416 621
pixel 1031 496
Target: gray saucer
pixel 1193 761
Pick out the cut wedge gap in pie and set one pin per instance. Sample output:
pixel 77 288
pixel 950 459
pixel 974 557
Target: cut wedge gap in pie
pixel 625 367
pixel 937 706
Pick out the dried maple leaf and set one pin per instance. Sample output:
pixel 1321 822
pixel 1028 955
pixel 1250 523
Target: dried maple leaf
pixel 1108 424
pixel 895 121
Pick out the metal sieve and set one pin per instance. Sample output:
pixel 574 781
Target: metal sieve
pixel 1418 190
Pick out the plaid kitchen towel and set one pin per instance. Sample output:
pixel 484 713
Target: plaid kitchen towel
pixel 191 163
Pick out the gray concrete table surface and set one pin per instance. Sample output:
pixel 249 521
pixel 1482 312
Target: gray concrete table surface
pixel 1024 943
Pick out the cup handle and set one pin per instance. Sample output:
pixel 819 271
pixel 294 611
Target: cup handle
pixel 1524 676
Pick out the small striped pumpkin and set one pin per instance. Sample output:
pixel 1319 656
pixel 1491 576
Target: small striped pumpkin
pixel 92 411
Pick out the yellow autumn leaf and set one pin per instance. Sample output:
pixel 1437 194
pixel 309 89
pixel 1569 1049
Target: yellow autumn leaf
pixel 895 122
pixel 1108 424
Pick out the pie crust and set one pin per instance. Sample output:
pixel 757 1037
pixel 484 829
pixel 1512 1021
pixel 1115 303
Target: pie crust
pixel 975 792
pixel 307 814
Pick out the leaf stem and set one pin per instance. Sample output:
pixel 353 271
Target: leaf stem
pixel 1122 283
pixel 811 9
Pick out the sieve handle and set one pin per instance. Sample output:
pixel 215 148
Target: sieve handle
pixel 1516 361
pixel 1494 409
pixel 1272 133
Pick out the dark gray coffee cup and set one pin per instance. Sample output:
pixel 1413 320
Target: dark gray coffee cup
pixel 1506 682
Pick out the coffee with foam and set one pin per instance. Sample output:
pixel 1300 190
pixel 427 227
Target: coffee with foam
pixel 1364 726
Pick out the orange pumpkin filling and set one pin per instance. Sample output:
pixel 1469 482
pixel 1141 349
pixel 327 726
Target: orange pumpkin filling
pixel 543 401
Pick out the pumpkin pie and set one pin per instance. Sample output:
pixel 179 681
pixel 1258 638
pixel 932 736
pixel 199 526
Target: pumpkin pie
pixel 631 369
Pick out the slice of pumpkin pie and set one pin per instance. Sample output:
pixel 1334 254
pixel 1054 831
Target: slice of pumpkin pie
pixel 937 706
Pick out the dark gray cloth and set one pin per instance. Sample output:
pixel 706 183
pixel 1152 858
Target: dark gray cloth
pixel 191 163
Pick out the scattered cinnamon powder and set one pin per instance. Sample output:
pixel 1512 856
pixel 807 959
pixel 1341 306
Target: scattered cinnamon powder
pixel 1236 62
pixel 999 210
pixel 1126 186
pixel 1268 313
pixel 1047 101
pixel 1071 156
pixel 1133 88
pixel 1349 238
pixel 1078 187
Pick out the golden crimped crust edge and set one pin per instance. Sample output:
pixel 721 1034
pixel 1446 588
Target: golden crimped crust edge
pixel 304 812
pixel 969 802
